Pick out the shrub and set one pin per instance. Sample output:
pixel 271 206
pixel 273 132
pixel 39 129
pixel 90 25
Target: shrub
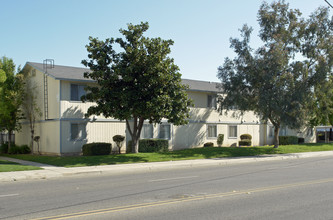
pixel 209 144
pixel 220 139
pixel 118 139
pixel 245 142
pixel 4 148
pixel 14 149
pixel 301 140
pixel 288 140
pixel 246 137
pixel 96 149
pixel 150 145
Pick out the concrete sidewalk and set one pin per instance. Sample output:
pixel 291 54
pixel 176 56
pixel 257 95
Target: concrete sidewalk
pixel 56 172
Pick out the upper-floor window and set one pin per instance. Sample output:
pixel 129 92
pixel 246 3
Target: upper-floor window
pixel 77 91
pixel 147 131
pixel 165 130
pixel 212 101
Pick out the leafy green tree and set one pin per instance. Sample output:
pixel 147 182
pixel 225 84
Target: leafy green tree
pixel 277 80
pixel 11 95
pixel 139 83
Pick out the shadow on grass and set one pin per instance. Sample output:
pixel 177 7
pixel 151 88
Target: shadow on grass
pixel 218 152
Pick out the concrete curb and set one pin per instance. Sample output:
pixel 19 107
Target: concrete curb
pixel 49 171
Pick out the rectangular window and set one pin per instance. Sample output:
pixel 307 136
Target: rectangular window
pixel 283 131
pixel 77 91
pixel 270 131
pixel 78 131
pixel 211 131
pixel 212 101
pixel 147 131
pixel 164 131
pixel 232 131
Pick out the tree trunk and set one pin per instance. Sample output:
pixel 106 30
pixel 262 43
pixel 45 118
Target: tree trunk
pixel 276 136
pixel 32 140
pixel 9 139
pixel 135 134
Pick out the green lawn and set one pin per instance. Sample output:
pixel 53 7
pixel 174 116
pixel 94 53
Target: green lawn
pixel 197 153
pixel 8 166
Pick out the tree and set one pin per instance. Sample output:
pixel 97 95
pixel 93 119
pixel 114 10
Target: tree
pixel 11 95
pixel 139 83
pixel 30 108
pixel 273 81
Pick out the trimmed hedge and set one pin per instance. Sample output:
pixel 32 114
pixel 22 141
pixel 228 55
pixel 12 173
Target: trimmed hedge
pixel 96 149
pixel 245 142
pixel 150 145
pixel 301 140
pixel 288 140
pixel 209 144
pixel 246 137
pixel 14 149
pixel 220 139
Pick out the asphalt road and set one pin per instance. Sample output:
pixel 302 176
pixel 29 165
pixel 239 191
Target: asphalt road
pixel 288 189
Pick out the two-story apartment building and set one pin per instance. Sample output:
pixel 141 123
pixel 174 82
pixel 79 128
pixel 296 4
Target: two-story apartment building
pixel 63 129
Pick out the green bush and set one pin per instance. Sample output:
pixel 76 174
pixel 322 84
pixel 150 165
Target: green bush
pixel 288 140
pixel 150 145
pixel 301 140
pixel 245 142
pixel 14 149
pixel 246 137
pixel 4 148
pixel 96 149
pixel 220 139
pixel 209 144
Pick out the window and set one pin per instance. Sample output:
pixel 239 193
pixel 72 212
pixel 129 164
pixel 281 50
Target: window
pixel 77 91
pixel 232 131
pixel 212 101
pixel 147 131
pixel 270 131
pixel 78 131
pixel 211 131
pixel 283 131
pixel 164 131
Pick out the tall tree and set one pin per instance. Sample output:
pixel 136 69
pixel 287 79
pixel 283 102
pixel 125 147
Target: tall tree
pixel 319 48
pixel 139 83
pixel 11 91
pixel 30 109
pixel 273 81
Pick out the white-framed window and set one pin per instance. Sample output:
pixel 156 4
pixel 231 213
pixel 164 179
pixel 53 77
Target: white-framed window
pixel 232 131
pixel 212 101
pixel 211 131
pixel 270 131
pixel 78 131
pixel 283 131
pixel 77 90
pixel 147 131
pixel 165 131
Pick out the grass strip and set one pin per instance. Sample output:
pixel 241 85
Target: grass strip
pixel 187 154
pixel 8 166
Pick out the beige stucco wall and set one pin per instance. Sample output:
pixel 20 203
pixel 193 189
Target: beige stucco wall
pixel 49 136
pixel 97 131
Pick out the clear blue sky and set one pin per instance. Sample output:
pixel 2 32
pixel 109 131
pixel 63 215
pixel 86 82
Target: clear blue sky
pixel 33 30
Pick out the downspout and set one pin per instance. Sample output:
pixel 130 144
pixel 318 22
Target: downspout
pixel 60 122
